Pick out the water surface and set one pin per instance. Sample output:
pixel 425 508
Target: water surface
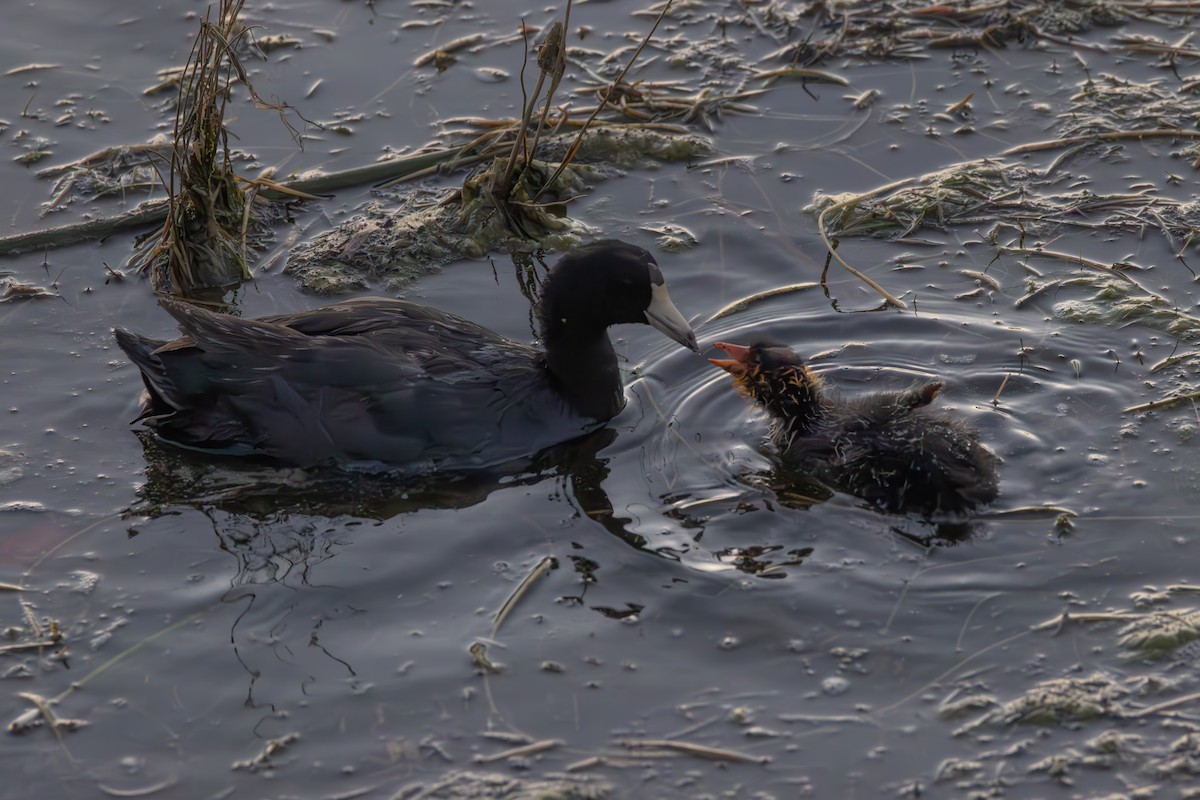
pixel 689 600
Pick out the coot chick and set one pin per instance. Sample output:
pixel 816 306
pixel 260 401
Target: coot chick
pixel 376 380
pixel 888 448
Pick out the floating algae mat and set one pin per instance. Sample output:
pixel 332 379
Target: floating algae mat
pixel 422 229
pixel 1144 712
pixel 984 191
pixel 1111 104
pixel 906 29
pixel 1160 633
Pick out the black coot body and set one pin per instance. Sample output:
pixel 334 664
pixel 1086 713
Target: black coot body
pixel 380 381
pixel 888 448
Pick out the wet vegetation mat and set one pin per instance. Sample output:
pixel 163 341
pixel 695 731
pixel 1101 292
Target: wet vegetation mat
pixel 412 231
pixel 1129 720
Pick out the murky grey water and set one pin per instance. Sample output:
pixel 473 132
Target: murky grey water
pixel 343 612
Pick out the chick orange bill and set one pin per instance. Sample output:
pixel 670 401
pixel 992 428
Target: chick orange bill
pixel 736 366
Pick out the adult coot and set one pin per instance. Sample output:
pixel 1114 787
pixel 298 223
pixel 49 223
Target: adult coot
pixel 888 448
pixel 378 380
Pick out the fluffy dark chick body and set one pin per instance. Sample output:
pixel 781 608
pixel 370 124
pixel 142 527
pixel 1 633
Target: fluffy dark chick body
pixel 889 448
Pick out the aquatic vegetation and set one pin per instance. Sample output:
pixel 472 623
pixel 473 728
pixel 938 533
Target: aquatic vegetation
pixel 1111 104
pixel 1160 633
pixel 204 242
pixel 13 291
pixel 964 193
pixel 520 194
pixel 1067 700
pixel 1116 301
pixel 397 242
pixel 111 171
pixel 1061 700
pixel 630 146
pixel 1017 202
pixel 817 31
pixel 420 229
pixel 993 192
pixel 1115 298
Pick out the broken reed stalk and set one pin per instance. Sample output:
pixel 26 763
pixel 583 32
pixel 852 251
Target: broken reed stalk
pixel 1054 144
pixel 519 752
pixel 155 212
pixel 821 229
pixel 550 55
pixel 693 749
pixel 197 246
pixel 1000 391
pixel 817 75
pixel 575 145
pixel 151 213
pixel 543 567
pixel 745 302
pixel 1166 402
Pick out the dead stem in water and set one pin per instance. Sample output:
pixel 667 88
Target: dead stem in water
pixel 1110 136
pixel 603 102
pixel 693 749
pixel 831 248
pixel 543 567
pixel 744 303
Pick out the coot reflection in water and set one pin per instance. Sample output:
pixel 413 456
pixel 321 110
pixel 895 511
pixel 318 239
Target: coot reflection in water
pixel 264 493
pixel 888 448
pixel 380 381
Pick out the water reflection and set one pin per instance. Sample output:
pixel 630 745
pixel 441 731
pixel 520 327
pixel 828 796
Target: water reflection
pixel 261 491
pixel 791 495
pixel 801 491
pixel 281 522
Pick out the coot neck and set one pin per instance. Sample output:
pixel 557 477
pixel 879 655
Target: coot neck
pixel 583 367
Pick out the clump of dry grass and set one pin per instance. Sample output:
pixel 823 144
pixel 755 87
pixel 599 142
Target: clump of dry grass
pixel 203 243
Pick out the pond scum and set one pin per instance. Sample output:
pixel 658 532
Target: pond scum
pixel 1167 751
pixel 521 175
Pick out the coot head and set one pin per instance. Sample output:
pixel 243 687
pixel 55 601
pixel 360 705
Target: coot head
pixel 774 377
pixel 608 283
